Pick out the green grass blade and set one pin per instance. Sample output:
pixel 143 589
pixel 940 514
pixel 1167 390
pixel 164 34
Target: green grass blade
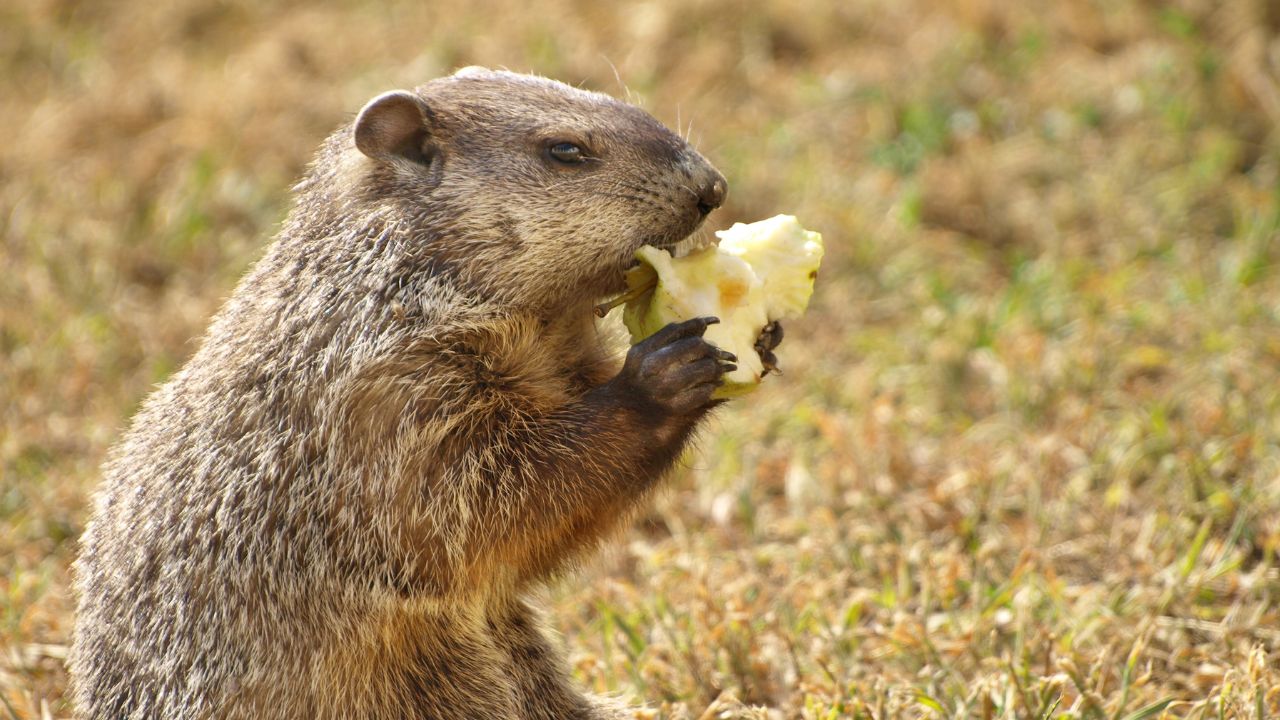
pixel 1151 710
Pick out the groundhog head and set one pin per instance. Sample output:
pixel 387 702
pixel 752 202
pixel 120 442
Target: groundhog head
pixel 530 190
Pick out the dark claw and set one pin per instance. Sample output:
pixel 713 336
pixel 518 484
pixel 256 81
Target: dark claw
pixel 675 368
pixel 770 362
pixel 769 337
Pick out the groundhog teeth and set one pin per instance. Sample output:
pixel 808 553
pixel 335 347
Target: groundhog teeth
pixel 758 273
pixel 692 244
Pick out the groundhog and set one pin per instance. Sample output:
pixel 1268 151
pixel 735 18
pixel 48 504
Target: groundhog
pixel 402 421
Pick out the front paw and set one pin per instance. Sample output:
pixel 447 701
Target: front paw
pixel 675 368
pixel 769 338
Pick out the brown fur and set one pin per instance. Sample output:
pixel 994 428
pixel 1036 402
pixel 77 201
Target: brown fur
pixel 400 423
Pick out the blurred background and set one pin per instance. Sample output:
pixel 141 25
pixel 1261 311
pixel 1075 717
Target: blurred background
pixel 1023 460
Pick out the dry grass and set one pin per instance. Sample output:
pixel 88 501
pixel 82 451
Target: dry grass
pixel 1025 459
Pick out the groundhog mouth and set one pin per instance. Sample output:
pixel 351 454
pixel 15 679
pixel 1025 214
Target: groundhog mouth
pixel 698 239
pixel 693 242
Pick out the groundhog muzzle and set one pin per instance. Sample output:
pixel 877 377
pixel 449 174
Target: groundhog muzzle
pixel 401 422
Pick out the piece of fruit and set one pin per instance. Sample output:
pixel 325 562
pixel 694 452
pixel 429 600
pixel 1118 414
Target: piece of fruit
pixel 759 273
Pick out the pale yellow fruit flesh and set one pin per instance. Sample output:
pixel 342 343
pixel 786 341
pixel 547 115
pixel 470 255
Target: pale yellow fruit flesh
pixel 760 272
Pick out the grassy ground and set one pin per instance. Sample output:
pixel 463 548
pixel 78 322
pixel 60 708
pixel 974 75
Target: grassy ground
pixel 1024 459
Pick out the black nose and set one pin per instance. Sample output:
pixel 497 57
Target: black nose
pixel 711 194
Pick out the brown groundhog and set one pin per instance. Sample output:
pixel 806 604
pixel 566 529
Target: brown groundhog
pixel 401 422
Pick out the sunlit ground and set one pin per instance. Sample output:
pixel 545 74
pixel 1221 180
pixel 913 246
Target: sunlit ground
pixel 1024 461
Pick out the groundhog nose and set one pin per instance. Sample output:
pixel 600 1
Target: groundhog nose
pixel 711 194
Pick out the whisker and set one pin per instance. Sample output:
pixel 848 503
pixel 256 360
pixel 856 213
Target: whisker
pixel 640 189
pixel 617 77
pixel 622 196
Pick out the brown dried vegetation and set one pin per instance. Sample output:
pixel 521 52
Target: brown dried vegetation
pixel 1025 457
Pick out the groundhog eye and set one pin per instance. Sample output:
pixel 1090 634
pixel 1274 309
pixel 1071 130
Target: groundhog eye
pixel 567 153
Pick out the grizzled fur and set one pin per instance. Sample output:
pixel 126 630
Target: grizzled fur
pixel 399 424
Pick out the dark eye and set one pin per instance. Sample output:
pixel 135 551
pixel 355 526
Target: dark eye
pixel 567 153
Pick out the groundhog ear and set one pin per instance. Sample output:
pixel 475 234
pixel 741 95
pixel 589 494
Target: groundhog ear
pixel 394 124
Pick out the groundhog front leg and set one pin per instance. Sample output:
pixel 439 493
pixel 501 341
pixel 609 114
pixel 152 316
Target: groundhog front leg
pixel 668 378
pixel 647 412
pixel 565 478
